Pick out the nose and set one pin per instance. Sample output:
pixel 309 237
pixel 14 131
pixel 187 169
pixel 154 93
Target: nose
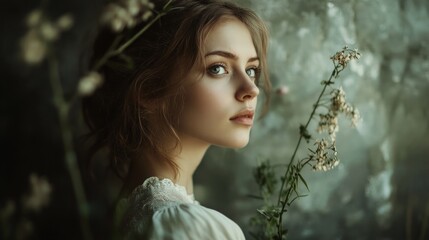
pixel 247 89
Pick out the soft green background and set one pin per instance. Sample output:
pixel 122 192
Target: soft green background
pixel 380 189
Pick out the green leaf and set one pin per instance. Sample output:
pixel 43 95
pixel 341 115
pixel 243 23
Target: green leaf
pixel 303 181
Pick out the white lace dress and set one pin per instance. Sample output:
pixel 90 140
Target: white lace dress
pixel 160 209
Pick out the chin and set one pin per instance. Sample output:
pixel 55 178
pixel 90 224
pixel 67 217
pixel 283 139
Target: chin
pixel 237 143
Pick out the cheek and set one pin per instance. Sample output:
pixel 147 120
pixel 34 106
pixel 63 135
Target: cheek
pixel 207 105
pixel 207 102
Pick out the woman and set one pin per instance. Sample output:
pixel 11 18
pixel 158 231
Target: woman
pixel 195 84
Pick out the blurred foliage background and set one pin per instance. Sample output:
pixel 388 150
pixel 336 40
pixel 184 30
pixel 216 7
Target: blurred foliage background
pixel 379 190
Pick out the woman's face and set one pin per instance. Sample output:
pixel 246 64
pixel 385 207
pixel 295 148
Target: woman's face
pixel 219 107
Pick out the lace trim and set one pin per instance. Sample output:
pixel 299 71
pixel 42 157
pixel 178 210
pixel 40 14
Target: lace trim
pixel 155 184
pixel 154 189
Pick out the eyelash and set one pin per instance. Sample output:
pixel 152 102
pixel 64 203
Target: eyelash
pixel 217 65
pixel 256 69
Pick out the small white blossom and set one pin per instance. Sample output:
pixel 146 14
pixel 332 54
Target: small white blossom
pixel 344 56
pixel 147 15
pixel 133 7
pixel 126 14
pixel 41 31
pixel 328 123
pixel 33 48
pixel 338 100
pixel 89 83
pixel 49 31
pixel 34 18
pixel 282 90
pixel 40 193
pixel 323 160
pixel 65 22
pixel 114 16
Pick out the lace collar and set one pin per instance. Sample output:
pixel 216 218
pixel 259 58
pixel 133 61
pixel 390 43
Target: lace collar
pixel 165 188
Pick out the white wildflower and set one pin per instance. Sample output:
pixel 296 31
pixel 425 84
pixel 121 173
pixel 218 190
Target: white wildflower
pixel 344 56
pixel 41 31
pixel 147 4
pixel 133 7
pixel 126 14
pixel 354 116
pixel 328 123
pixel 338 100
pixel 33 48
pixel 89 83
pixel 49 31
pixel 323 160
pixel 34 18
pixel 147 15
pixel 40 193
pixel 114 16
pixel 65 22
pixel 282 90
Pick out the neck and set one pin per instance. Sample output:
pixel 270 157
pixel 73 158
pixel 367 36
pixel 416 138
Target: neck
pixel 187 158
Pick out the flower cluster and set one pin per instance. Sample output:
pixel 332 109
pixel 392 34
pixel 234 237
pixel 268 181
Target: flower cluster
pixel 40 193
pixel 329 121
pixel 344 56
pixel 18 223
pixel 126 13
pixel 41 32
pixel 89 83
pixel 323 158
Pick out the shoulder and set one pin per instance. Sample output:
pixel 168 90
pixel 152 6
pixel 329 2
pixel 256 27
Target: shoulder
pixel 159 209
pixel 186 221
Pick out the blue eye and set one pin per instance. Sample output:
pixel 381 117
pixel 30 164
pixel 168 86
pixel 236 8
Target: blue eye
pixel 217 69
pixel 252 72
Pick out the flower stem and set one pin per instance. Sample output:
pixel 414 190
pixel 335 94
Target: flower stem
pixel 301 136
pixel 120 49
pixel 63 108
pixel 291 161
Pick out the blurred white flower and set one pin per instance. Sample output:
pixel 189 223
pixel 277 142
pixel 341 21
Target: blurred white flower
pixel 65 22
pixel 89 83
pixel 33 48
pixel 40 193
pixel 126 14
pixel 41 31
pixel 49 31
pixel 133 7
pixel 355 116
pixel 147 15
pixel 34 18
pixel 282 90
pixel 115 16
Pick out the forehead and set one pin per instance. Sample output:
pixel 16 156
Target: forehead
pixel 231 35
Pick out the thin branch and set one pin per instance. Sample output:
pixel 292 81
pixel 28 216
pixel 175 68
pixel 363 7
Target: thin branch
pixel 62 108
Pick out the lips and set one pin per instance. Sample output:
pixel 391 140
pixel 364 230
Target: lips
pixel 244 117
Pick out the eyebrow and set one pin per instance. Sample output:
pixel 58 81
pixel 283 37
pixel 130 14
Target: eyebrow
pixel 229 55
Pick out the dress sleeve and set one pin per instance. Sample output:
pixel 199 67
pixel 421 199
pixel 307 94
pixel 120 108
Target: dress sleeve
pixel 190 221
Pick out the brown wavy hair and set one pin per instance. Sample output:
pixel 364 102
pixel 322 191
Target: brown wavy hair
pixel 137 107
